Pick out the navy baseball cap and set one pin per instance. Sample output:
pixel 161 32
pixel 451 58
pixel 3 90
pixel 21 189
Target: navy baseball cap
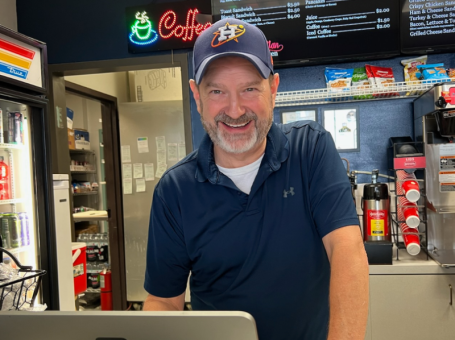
pixel 232 37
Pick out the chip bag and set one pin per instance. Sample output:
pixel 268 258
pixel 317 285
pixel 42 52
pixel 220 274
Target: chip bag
pixel 432 73
pixel 360 83
pixel 410 68
pixel 338 80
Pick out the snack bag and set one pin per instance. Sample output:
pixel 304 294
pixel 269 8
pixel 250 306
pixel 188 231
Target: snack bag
pixel 410 71
pixel 410 68
pixel 383 78
pixel 360 82
pixel 451 73
pixel 338 79
pixel 432 73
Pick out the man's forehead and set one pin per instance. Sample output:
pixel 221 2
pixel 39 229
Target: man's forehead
pixel 228 64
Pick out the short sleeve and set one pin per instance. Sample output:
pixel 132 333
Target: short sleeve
pixel 168 264
pixel 332 205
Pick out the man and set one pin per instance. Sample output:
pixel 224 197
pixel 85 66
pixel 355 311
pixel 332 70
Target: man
pixel 261 214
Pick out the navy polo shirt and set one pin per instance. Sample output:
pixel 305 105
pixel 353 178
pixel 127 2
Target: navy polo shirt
pixel 261 253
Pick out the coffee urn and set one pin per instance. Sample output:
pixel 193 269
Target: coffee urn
pixel 375 205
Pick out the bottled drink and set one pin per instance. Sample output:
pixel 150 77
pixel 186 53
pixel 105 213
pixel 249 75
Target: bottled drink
pixel 103 248
pixel 92 249
pixel 25 235
pixel 15 231
pixel 5 232
pixel 4 180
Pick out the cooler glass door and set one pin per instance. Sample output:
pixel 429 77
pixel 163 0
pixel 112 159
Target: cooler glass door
pixel 24 217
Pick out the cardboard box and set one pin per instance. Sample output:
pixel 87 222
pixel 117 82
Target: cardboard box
pixel 82 139
pixel 69 118
pixel 71 140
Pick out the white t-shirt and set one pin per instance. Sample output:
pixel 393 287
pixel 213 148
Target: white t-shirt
pixel 244 176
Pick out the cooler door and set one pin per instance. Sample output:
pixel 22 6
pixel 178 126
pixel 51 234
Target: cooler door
pixel 24 186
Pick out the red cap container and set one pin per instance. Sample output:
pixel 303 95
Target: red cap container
pixel 79 267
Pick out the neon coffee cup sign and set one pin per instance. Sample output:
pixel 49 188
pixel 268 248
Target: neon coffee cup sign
pixel 156 27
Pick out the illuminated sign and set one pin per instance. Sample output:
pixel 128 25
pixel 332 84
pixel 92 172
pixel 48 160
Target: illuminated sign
pixel 20 61
pixel 166 26
pixel 141 31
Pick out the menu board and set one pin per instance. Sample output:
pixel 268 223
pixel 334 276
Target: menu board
pixel 320 30
pixel 427 25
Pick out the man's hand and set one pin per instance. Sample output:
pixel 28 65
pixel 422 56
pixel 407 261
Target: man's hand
pixel 155 303
pixel 348 284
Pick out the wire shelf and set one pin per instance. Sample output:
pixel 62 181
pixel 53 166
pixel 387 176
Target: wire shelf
pixel 365 93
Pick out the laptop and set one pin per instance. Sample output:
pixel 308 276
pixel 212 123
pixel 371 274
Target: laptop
pixel 187 325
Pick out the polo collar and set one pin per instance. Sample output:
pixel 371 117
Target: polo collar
pixel 276 152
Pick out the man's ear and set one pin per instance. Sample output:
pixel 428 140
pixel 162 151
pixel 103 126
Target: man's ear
pixel 274 86
pixel 196 94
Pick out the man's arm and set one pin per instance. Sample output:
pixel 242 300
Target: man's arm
pixel 348 284
pixel 155 303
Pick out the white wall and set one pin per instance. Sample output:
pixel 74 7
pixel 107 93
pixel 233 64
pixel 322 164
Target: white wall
pixel 114 84
pixel 8 15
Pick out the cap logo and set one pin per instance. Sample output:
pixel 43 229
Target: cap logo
pixel 227 33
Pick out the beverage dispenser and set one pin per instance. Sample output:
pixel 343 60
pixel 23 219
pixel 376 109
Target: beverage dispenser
pixel 434 124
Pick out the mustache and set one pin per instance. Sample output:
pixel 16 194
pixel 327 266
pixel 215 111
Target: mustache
pixel 243 119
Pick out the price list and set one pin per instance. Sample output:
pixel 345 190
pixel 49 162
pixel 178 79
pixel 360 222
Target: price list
pixel 345 21
pixel 315 28
pixel 259 13
pixel 427 23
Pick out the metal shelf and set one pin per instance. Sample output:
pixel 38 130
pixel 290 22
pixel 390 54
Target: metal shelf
pixel 366 93
pixel 11 146
pixel 85 193
pixel 83 172
pixel 19 249
pixel 82 151
pixel 87 217
pixel 13 201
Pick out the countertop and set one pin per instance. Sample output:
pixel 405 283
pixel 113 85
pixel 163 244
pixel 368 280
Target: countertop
pixel 410 265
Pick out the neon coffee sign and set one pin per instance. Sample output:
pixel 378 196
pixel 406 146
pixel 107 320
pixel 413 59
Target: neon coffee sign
pixel 142 32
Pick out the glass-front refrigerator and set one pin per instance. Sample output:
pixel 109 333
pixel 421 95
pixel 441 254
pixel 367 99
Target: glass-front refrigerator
pixel 26 200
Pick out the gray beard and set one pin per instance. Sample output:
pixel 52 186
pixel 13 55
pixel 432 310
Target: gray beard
pixel 241 142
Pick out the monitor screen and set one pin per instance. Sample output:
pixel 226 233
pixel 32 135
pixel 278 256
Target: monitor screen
pixel 427 26
pixel 317 31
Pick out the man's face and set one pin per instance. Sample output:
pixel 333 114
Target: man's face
pixel 235 103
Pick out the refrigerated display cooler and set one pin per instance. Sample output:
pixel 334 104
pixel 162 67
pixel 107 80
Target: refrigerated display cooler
pixel 26 197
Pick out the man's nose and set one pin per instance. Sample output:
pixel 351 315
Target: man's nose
pixel 235 106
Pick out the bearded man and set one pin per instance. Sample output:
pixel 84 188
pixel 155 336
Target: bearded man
pixel 261 214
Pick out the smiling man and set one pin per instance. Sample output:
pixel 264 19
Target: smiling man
pixel 261 214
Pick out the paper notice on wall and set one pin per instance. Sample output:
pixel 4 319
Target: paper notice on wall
pixel 142 144
pixel 126 154
pixel 126 171
pixel 149 171
pixel 140 185
pixel 160 143
pixel 127 186
pixel 172 152
pixel 161 157
pixel 137 170
pixel 181 151
pixel 161 169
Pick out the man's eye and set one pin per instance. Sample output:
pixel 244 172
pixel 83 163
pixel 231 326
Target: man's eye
pixel 250 89
pixel 215 91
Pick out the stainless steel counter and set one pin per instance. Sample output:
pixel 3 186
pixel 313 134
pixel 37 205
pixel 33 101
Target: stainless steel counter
pixel 410 265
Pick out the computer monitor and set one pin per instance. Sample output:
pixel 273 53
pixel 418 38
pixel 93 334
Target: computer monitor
pixel 188 325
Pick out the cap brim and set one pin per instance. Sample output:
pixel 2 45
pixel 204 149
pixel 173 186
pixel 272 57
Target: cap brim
pixel 263 69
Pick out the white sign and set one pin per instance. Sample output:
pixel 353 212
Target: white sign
pixel 20 61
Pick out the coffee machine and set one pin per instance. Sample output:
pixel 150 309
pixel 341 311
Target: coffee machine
pixel 434 124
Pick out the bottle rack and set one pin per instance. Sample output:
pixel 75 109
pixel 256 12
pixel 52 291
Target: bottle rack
pixel 421 203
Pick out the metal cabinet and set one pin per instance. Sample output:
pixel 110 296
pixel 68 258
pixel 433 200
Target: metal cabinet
pixel 411 307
